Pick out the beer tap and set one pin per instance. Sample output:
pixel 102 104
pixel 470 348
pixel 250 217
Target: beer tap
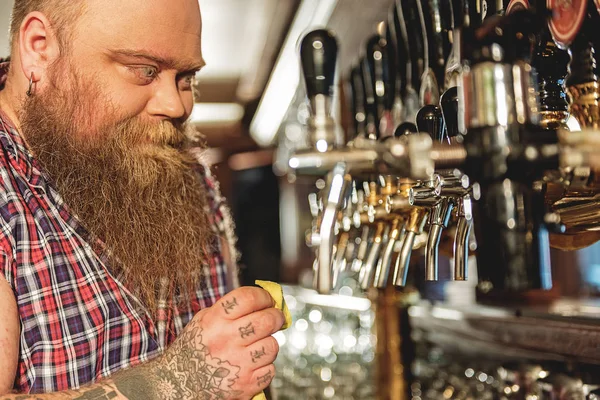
pixel 450 109
pixel 372 122
pixel 411 12
pixel 575 197
pixel 463 192
pixel 415 223
pixel 466 15
pixel 367 273
pixel 551 64
pixel 578 30
pixel 380 63
pixel 319 55
pixel 464 226
pixel 511 232
pixel 345 248
pixel 430 120
pixel 407 60
pixel 405 128
pixel 376 268
pixel 452 70
pixel 437 25
pixel 357 104
pixel 397 64
pixel 396 235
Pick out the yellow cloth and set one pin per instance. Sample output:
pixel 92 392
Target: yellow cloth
pixel 276 293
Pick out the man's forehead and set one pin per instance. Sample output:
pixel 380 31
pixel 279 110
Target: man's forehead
pixel 166 26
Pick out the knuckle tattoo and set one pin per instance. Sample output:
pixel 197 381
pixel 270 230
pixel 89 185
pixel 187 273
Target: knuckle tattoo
pixel 229 305
pixel 246 331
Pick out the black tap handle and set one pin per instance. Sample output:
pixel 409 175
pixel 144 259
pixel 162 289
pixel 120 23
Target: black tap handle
pixel 371 116
pixel 358 101
pixel 417 41
pixel 551 64
pixel 403 59
pixel 512 242
pixel 449 105
pixel 405 128
pixel 515 34
pixel 318 52
pixel 458 13
pixel 391 73
pixel 378 64
pixel 437 25
pixel 430 120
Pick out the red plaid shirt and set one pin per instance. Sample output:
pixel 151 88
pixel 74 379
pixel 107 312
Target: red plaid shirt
pixel 79 323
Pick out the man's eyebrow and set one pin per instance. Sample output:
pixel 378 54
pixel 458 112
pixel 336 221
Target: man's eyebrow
pixel 179 65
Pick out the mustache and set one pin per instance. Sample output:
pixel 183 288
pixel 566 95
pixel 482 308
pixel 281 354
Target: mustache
pixel 133 131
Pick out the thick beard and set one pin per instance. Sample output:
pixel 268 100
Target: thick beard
pixel 130 183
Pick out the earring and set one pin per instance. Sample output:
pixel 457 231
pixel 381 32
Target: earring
pixel 29 92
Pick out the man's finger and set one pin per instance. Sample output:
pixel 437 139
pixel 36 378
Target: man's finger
pixel 258 325
pixel 243 301
pixel 263 352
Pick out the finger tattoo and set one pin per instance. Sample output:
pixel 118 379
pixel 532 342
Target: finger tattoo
pixel 247 330
pixel 257 354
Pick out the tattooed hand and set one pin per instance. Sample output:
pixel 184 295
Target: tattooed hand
pixel 226 352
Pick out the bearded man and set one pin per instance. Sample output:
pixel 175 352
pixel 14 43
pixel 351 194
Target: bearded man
pixel 115 257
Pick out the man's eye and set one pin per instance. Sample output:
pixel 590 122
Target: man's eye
pixel 149 72
pixel 186 82
pixel 145 74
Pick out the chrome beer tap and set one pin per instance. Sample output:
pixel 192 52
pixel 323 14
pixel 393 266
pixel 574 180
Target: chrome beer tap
pixel 415 222
pixel 504 154
pixel 319 56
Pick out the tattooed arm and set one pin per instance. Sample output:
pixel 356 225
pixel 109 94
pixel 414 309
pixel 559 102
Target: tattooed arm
pixel 226 352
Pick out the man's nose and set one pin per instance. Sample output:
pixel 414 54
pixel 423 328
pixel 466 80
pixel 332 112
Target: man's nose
pixel 166 101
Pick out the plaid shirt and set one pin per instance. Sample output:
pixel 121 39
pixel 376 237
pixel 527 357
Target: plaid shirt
pixel 79 323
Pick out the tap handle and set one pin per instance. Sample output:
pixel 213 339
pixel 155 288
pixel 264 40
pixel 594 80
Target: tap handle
pixel 513 243
pixel 391 73
pixel 417 41
pixel 458 13
pixel 381 76
pixel 405 128
pixel 449 105
pixel 371 117
pixel 437 25
pixel 318 53
pixel 399 38
pixel 358 100
pixel 430 120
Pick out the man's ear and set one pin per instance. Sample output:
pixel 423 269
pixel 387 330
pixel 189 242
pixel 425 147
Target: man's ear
pixel 38 46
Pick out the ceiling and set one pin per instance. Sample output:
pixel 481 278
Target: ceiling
pixel 241 41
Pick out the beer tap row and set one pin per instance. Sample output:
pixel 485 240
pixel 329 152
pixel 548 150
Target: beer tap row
pixel 458 130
